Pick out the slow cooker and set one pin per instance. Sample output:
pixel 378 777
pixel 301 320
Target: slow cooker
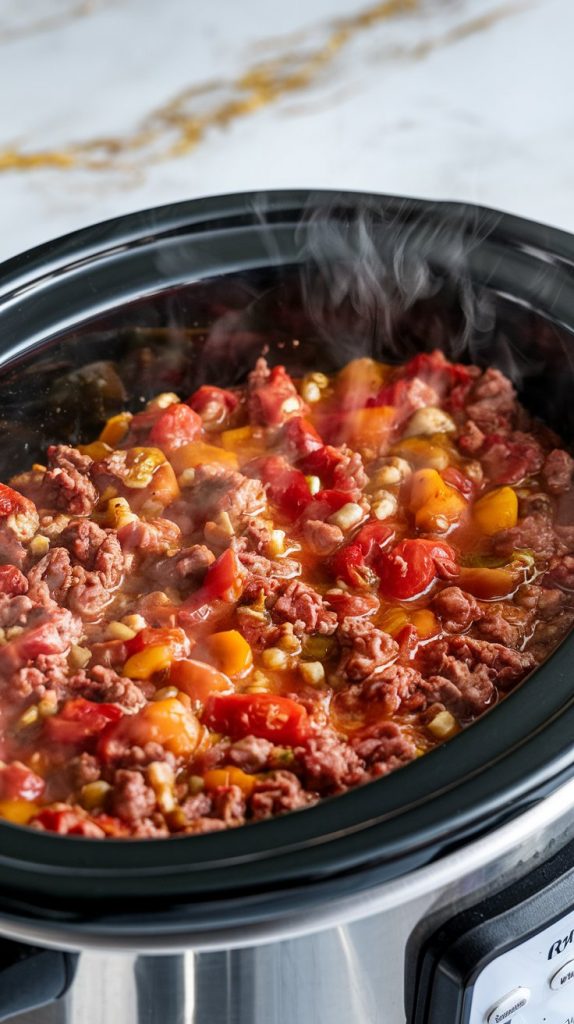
pixel 442 894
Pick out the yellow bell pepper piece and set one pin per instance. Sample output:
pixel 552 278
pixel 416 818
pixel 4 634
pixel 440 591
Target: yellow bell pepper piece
pixel 229 776
pixel 425 623
pixel 18 812
pixel 142 463
pixel 488 584
pixel 144 663
pixel 116 429
pixel 423 452
pixel 196 453
pixel 96 450
pixel 231 651
pixel 432 499
pixel 497 510
pixel 393 621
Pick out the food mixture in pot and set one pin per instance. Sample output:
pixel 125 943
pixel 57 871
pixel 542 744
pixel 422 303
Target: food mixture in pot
pixel 232 606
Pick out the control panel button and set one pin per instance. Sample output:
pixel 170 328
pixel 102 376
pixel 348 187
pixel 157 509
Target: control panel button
pixel 507 1008
pixel 564 975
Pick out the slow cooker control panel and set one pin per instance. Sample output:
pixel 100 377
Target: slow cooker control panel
pixel 533 983
pixel 507 960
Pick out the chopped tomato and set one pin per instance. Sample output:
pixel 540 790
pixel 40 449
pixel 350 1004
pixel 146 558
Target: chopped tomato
pixel 435 369
pixel 213 403
pixel 274 399
pixel 176 426
pixel 12 581
pixel 198 679
pixel 17 782
pixel 325 462
pixel 299 438
pixel 80 721
pixel 278 719
pixel 286 487
pixel 10 501
pixel 174 638
pixel 67 822
pixel 411 566
pixel 224 578
pixel 354 563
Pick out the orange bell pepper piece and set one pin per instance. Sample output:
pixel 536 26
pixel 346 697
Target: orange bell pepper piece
pixel 370 426
pixel 431 498
pixel 145 663
pixel 488 584
pixel 116 429
pixel 196 453
pixel 19 812
pixel 230 776
pixel 198 680
pixel 231 652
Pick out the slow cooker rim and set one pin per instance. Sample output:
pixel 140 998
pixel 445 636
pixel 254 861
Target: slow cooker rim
pixel 42 861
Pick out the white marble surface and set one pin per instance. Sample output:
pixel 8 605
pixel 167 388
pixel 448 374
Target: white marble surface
pixel 457 99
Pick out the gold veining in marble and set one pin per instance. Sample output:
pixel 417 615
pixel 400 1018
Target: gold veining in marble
pixel 182 123
pixel 50 21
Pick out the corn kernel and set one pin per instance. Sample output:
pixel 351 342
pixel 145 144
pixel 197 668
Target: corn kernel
pixel 135 622
pixel 119 631
pixel 312 672
pixel 276 544
pixel 384 505
pixel 162 781
pixel 14 631
pixel 443 725
pixel 313 483
pixel 195 784
pixel 291 405
pixel 163 400
pixel 310 392
pixel 348 516
pixel 48 705
pixel 274 658
pixel 39 545
pixel 29 717
pixel 79 656
pixel 166 692
pixel 94 794
pixel 187 478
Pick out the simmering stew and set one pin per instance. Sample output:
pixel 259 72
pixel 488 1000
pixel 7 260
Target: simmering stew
pixel 232 606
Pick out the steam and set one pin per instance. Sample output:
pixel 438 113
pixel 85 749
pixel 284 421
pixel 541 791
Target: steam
pixel 361 261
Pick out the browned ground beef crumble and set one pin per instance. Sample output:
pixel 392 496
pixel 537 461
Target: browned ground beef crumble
pixel 229 607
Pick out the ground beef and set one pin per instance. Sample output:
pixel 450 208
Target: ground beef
pixel 328 763
pixel 106 686
pixel 466 693
pixel 260 566
pixel 139 539
pixel 557 471
pixel 131 799
pixel 51 577
pixel 561 573
pixel 508 460
pixel 456 609
pixel 465 671
pixel 322 538
pixel 393 687
pixel 498 628
pixel 534 533
pixel 383 747
pixel 367 649
pixel 67 483
pixel 95 549
pixel 229 805
pixel 82 769
pixel 251 753
pixel 471 438
pixel 217 489
pixel 305 609
pixel 492 401
pixel 277 793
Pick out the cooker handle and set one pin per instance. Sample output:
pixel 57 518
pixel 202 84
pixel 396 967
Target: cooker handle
pixel 31 977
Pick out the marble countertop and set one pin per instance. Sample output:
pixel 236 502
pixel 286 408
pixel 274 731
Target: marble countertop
pixel 107 106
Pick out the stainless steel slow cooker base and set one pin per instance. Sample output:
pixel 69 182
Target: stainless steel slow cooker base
pixel 352 970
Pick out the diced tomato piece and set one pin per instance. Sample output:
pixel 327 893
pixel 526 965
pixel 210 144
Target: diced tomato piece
pixel 20 511
pixel 406 396
pixel 10 501
pixel 286 487
pixel 411 566
pixel 408 641
pixel 67 822
pixel 174 638
pixel 299 438
pixel 278 719
pixel 213 403
pixel 176 426
pixel 353 562
pixel 435 369
pixel 18 782
pixel 12 581
pixel 324 462
pixel 224 578
pixel 80 721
